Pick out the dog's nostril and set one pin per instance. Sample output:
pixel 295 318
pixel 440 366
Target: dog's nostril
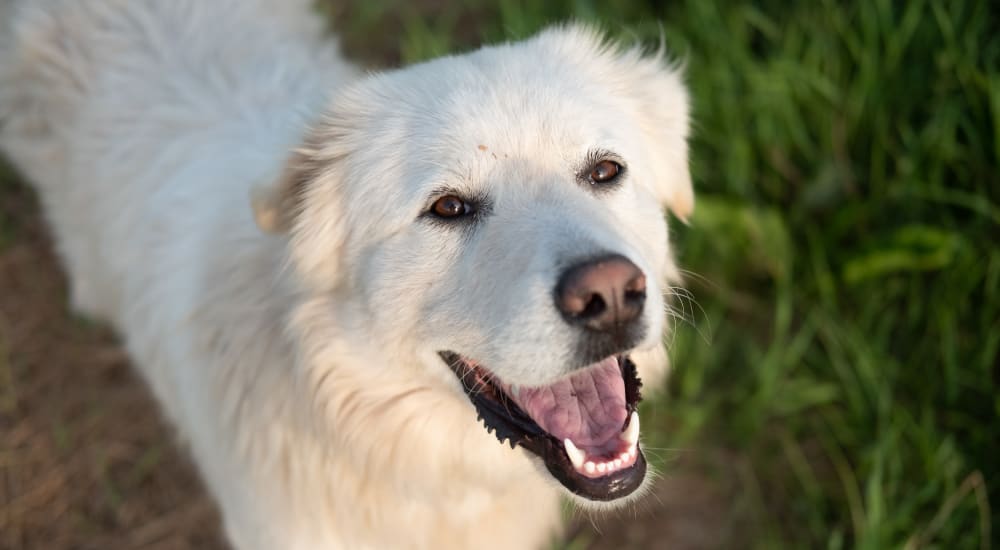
pixel 635 290
pixel 637 286
pixel 595 306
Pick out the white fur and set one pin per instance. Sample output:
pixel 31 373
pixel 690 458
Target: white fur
pixel 301 367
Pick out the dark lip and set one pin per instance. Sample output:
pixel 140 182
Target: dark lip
pixel 505 420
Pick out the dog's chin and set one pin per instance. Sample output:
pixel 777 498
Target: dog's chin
pixel 584 427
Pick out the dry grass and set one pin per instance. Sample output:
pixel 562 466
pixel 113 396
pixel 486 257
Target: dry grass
pixel 85 461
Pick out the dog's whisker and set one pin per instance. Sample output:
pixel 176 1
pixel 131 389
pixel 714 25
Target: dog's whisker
pixel 668 449
pixel 686 299
pixel 705 280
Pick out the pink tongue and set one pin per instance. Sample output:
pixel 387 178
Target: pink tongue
pixel 588 408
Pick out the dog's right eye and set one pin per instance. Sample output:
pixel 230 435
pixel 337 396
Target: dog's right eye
pixel 450 207
pixel 605 171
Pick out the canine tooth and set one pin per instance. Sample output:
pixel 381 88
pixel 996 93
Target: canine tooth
pixel 515 391
pixel 601 467
pixel 576 456
pixel 632 451
pixel 631 434
pixel 589 467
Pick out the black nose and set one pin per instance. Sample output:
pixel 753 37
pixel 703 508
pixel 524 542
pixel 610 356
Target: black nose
pixel 604 294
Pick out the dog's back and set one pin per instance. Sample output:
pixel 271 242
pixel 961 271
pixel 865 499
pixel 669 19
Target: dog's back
pixel 107 104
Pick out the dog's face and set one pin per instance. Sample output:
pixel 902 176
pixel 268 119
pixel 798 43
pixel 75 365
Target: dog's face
pixel 498 217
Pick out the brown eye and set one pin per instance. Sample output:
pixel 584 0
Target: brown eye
pixel 605 171
pixel 450 206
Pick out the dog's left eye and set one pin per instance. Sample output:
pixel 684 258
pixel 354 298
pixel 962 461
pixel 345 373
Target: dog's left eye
pixel 605 171
pixel 450 207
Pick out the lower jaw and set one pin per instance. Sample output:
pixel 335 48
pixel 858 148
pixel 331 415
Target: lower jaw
pixel 606 488
pixel 618 455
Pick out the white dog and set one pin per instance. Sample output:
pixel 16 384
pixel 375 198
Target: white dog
pixel 474 240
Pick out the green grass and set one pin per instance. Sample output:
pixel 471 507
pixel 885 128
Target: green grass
pixel 844 252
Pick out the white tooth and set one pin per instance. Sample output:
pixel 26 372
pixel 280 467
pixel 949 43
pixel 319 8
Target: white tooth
pixel 631 434
pixel 624 457
pixel 631 451
pixel 515 391
pixel 589 467
pixel 618 463
pixel 576 456
pixel 601 467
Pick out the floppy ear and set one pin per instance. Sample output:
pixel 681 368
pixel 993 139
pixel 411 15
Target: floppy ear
pixel 663 118
pixel 276 204
pixel 305 204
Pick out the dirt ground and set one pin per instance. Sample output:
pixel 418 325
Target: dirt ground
pixel 85 461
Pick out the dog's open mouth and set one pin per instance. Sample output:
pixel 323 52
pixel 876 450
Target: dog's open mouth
pixel 584 427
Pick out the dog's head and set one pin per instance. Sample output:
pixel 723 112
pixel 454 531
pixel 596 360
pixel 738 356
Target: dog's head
pixel 499 216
